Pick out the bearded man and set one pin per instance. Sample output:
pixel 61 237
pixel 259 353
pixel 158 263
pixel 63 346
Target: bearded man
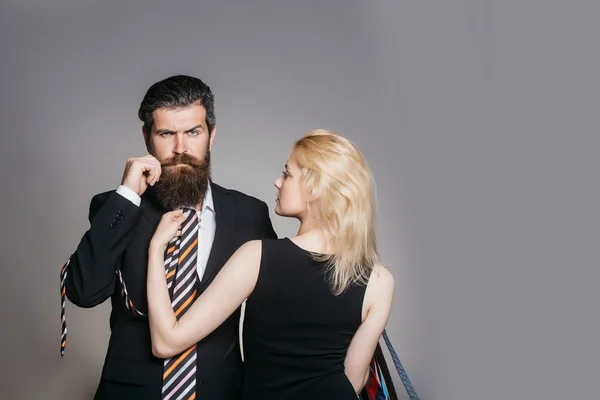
pixel 111 259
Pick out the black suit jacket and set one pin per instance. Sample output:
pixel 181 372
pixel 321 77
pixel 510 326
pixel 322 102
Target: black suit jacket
pixel 119 237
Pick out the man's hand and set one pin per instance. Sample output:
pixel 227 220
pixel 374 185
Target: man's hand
pixel 141 172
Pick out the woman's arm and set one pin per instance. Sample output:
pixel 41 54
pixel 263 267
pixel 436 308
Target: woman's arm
pixel 232 285
pixel 377 306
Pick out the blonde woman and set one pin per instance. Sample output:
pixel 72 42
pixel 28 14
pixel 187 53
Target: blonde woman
pixel 317 302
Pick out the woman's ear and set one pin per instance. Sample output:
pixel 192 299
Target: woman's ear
pixel 311 187
pixel 312 195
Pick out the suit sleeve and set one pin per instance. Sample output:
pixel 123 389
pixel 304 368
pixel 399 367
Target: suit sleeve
pixel 266 227
pixel 91 272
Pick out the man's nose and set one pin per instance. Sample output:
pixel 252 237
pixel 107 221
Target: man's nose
pixel 180 145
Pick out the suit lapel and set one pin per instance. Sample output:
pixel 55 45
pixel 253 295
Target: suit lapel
pixel 225 218
pixel 152 210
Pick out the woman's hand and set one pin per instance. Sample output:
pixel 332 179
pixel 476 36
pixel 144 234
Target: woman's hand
pixel 168 227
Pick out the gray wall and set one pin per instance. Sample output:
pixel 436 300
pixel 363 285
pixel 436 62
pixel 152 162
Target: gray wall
pixel 479 120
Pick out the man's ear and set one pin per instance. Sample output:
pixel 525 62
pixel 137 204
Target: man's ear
pixel 146 136
pixel 213 133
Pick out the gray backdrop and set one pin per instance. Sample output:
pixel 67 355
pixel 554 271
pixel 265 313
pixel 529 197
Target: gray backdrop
pixel 478 118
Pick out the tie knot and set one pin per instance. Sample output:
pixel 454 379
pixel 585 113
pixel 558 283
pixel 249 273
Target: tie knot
pixel 190 214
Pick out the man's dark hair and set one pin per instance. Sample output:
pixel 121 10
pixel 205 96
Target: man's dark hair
pixel 178 91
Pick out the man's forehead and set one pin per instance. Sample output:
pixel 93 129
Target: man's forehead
pixel 180 118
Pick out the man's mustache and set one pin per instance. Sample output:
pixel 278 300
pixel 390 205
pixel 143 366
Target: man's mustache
pixel 181 159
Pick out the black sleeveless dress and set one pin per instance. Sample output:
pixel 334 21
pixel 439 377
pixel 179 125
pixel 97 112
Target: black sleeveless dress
pixel 296 332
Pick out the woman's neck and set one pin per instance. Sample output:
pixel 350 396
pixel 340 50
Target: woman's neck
pixel 313 239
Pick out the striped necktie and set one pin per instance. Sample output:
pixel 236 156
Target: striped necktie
pixel 63 303
pixel 179 373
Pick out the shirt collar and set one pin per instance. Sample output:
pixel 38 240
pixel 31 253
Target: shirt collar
pixel 208 200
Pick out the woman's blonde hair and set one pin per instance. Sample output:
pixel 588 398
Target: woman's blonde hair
pixel 341 185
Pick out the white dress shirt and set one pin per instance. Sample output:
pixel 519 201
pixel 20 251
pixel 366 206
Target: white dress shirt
pixel 206 232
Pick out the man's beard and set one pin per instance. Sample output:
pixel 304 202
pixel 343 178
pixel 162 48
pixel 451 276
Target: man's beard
pixel 183 185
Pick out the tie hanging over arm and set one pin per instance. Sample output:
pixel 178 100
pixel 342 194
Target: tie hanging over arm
pixel 93 266
pixel 379 384
pixel 89 275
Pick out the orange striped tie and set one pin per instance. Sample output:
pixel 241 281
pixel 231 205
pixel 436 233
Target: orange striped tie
pixel 179 376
